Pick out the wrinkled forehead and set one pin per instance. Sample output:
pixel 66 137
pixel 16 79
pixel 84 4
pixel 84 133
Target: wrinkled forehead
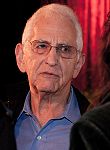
pixel 46 18
pixel 55 31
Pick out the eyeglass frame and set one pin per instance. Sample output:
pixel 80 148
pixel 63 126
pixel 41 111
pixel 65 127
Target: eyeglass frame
pixel 51 46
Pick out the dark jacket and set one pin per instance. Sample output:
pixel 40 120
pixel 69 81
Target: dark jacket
pixel 17 98
pixel 92 131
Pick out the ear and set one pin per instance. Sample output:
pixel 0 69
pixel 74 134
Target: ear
pixel 78 65
pixel 19 57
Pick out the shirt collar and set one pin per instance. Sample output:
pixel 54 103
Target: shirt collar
pixel 26 109
pixel 72 112
pixel 27 104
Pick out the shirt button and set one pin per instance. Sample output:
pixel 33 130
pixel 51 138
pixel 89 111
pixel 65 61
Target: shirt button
pixel 39 138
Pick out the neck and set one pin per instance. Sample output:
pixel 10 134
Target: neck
pixel 50 104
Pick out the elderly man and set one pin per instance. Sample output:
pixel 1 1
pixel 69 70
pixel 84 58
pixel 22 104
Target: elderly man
pixel 51 55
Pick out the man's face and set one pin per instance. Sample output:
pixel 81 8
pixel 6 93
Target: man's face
pixel 51 72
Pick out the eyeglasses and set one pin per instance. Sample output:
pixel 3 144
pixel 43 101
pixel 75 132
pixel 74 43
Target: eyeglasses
pixel 44 47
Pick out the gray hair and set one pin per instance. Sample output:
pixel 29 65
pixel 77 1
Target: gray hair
pixel 49 10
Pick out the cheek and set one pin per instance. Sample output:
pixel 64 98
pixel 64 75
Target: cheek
pixel 33 66
pixel 30 66
pixel 68 70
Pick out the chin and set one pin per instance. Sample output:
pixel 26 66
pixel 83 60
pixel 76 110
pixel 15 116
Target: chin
pixel 47 89
pixel 46 86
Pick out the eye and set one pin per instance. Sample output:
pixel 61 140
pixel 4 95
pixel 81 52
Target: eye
pixel 41 46
pixel 65 49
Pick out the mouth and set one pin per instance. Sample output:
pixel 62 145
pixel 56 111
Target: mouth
pixel 49 75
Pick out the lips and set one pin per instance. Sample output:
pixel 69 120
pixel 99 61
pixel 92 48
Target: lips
pixel 49 74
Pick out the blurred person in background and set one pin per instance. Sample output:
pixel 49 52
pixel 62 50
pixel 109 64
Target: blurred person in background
pixel 103 91
pixel 92 130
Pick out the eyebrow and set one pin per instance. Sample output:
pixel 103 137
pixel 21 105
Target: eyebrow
pixel 61 43
pixel 43 41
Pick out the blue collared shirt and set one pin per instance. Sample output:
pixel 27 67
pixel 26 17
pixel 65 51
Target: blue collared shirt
pixel 54 135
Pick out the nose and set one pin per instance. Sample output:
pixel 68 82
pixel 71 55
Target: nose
pixel 52 57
